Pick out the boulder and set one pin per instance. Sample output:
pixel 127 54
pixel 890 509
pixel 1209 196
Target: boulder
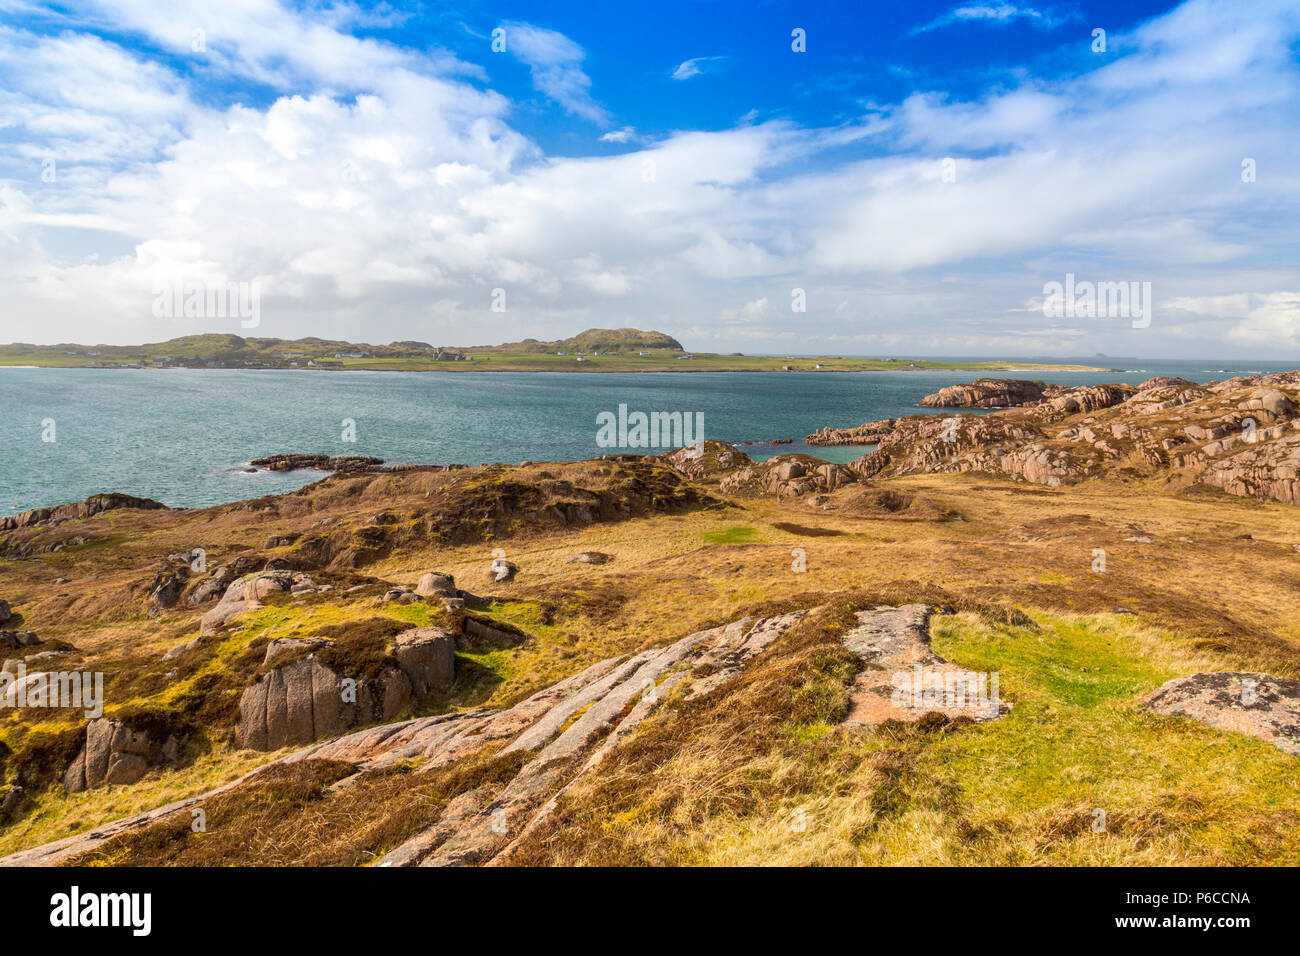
pixel 212 586
pixel 180 649
pixel 427 656
pixel 223 614
pixel 303 701
pixel 706 460
pixel 788 475
pixel 589 557
pixel 1270 400
pixel 434 583
pixel 167 586
pixel 5 612
pixel 10 803
pixel 246 595
pixel 115 753
pixel 12 640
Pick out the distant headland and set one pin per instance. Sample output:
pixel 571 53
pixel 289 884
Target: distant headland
pixel 595 350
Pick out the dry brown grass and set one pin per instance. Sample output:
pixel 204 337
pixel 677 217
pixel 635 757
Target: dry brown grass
pixel 288 815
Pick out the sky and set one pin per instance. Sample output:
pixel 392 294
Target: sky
pixel 841 178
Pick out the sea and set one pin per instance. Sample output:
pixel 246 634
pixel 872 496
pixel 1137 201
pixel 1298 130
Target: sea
pixel 185 437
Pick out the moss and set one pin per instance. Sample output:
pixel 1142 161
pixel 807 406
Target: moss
pixel 361 649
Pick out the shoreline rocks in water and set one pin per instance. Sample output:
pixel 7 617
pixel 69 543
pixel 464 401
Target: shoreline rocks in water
pixel 316 463
pixel 872 433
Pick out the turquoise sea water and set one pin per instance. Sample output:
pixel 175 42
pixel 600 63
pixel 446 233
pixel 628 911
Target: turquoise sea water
pixel 183 436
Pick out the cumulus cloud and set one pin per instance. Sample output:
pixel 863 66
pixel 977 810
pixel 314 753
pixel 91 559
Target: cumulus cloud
pixel 382 193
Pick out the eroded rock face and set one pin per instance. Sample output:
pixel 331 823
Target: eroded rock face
pixel 303 699
pixel 1268 470
pixel 1061 403
pixel 95 504
pixel 1260 705
pixel 117 754
pixel 565 730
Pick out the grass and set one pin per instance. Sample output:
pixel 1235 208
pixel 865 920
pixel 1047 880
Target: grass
pixel 289 816
pixel 732 534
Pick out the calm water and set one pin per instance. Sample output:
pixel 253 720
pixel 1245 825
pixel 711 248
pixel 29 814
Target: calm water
pixel 182 436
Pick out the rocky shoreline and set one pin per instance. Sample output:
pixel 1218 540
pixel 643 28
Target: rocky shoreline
pixel 1240 435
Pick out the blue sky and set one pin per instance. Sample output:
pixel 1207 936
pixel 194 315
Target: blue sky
pixel 920 172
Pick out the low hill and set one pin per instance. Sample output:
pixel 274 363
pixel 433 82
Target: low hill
pixel 618 340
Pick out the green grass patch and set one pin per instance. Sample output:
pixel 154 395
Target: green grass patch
pixel 732 534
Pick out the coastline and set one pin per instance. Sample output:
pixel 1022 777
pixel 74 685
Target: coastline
pixel 587 368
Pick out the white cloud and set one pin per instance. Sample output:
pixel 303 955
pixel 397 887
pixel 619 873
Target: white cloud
pixel 998 15
pixel 625 135
pixel 379 194
pixel 556 64
pixel 693 67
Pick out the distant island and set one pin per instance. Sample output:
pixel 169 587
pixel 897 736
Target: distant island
pixel 595 350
